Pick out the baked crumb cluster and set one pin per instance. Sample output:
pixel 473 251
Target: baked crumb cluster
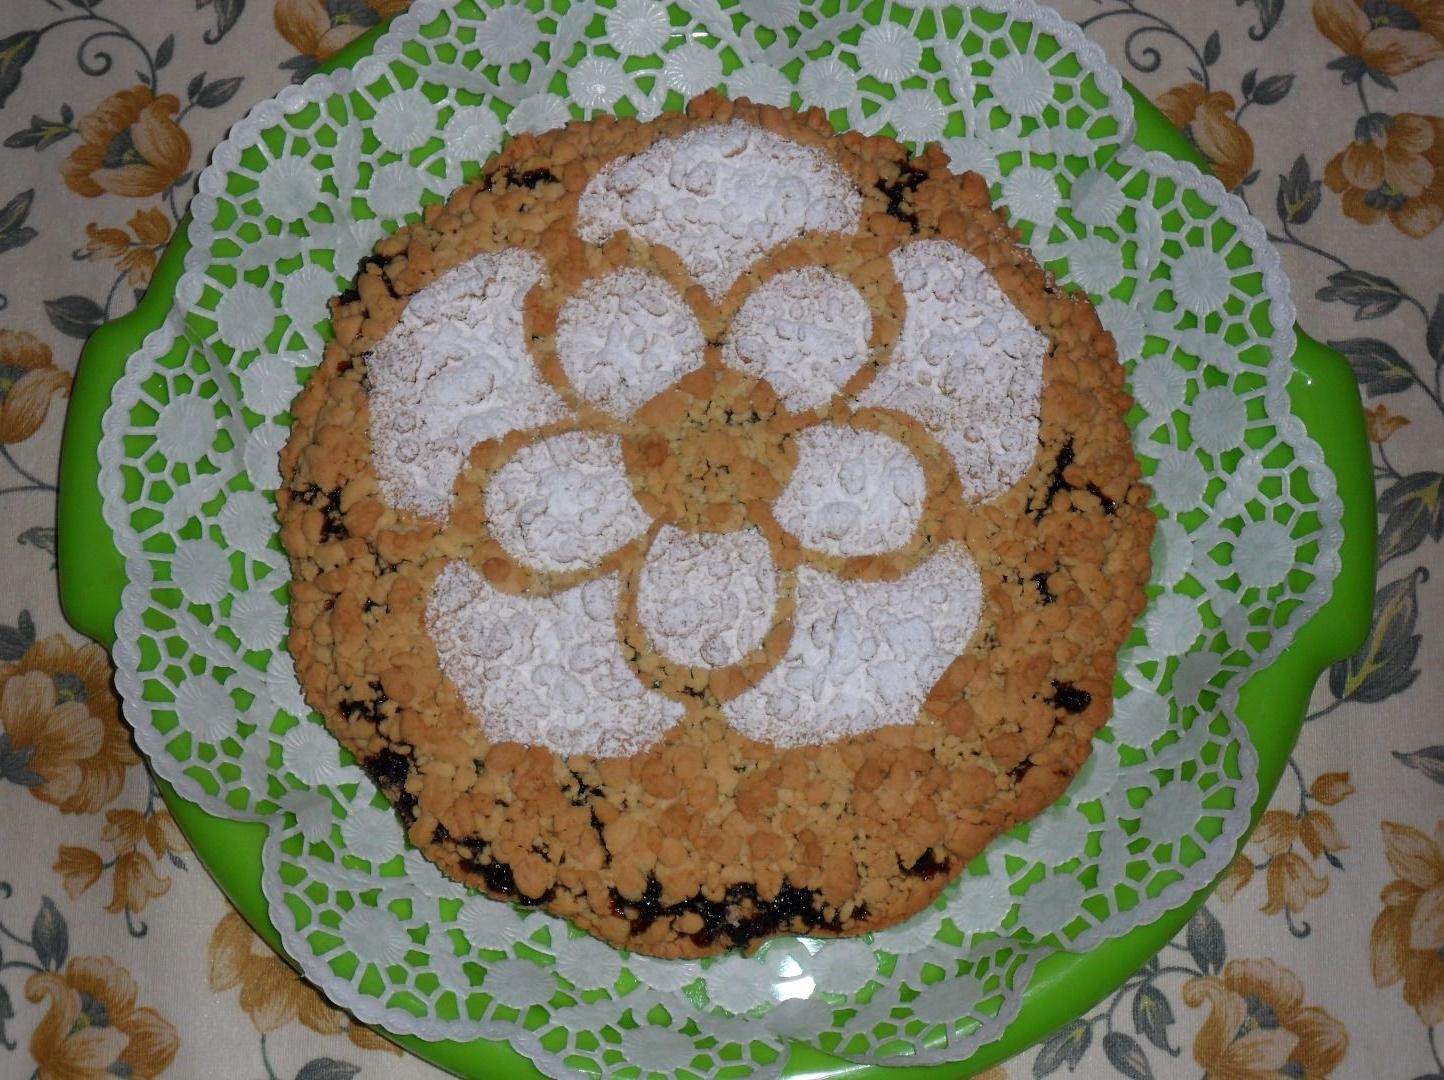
pixel 713 527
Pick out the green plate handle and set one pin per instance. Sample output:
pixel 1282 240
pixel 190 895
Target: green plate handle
pixel 90 566
pixel 91 569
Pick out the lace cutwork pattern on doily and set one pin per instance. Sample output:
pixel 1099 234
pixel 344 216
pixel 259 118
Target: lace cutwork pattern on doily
pixel 1246 552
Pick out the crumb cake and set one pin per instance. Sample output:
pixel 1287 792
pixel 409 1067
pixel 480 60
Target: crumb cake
pixel 713 527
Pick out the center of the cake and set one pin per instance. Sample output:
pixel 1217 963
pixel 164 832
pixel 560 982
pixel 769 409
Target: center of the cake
pixel 712 452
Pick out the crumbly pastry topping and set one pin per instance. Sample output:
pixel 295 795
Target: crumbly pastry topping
pixel 713 528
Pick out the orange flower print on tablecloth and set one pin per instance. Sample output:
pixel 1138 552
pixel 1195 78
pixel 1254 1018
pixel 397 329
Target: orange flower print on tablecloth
pixel 1238 875
pixel 317 28
pixel 272 994
pixel 1387 37
pixel 63 709
pixel 1407 942
pixel 92 1029
pixel 135 255
pixel 47 741
pixel 1381 423
pixel 132 146
pixel 29 380
pixel 1259 1028
pixel 79 868
pixel 1207 119
pixel 127 830
pixel 1396 171
pixel 136 882
pixel 1291 881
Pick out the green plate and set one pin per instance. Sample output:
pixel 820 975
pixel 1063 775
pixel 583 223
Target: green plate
pixel 1324 396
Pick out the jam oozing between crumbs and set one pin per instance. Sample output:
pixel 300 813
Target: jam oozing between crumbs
pixel 738 919
pixel 1069 698
pixel 1057 483
pixel 909 180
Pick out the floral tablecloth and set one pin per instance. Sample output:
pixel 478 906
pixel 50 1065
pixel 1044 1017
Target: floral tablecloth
pixel 1323 952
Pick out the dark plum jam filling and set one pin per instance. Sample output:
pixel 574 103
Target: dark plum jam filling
pixel 1069 698
pixel 897 191
pixel 738 919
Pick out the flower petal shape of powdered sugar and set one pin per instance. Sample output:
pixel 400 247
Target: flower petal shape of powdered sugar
pixel 863 654
pixel 625 337
pixel 853 492
pixel 545 671
pixel 454 372
pixel 968 366
pixel 563 503
pixel 805 331
pixel 720 197
pixel 706 599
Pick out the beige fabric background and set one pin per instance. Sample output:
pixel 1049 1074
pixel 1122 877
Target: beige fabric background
pixel 1321 956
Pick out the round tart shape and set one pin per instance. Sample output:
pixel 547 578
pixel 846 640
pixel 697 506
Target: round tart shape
pixel 713 528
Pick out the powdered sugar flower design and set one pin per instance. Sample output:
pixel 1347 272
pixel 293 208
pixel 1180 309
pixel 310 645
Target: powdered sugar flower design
pixel 816 653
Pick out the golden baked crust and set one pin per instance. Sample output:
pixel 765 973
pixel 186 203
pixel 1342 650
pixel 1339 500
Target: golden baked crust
pixel 709 840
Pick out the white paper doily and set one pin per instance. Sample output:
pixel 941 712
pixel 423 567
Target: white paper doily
pixel 303 187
